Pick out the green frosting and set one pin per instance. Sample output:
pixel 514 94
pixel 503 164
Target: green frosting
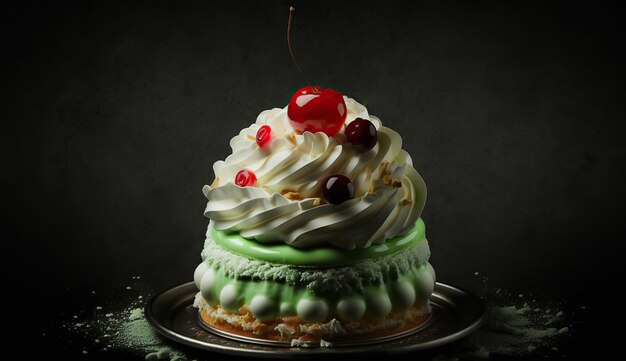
pixel 315 284
pixel 318 257
pixel 281 299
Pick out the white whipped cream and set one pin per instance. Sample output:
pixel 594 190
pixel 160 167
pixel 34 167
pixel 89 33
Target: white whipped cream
pixel 382 208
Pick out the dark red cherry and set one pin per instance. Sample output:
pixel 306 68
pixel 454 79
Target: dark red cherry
pixel 337 189
pixel 362 134
pixel 245 178
pixel 319 110
pixel 263 136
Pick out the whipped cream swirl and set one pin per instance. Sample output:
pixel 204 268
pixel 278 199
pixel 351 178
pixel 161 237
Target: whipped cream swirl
pixel 286 204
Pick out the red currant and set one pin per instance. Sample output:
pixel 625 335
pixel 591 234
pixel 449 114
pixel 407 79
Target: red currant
pixel 362 134
pixel 263 136
pixel 337 189
pixel 245 178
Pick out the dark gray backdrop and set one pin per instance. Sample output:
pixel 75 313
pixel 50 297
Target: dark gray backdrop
pixel 513 114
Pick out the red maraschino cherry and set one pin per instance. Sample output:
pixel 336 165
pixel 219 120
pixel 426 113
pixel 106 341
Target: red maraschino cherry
pixel 263 136
pixel 314 109
pixel 245 178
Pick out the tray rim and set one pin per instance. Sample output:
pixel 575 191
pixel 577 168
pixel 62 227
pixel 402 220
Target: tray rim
pixel 287 352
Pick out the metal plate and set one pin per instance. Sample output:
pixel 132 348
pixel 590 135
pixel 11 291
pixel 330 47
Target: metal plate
pixel 456 314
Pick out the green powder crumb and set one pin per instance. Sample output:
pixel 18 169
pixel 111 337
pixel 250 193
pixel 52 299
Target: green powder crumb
pixel 136 314
pixel 162 354
pixel 125 330
pixel 513 331
pixel 138 333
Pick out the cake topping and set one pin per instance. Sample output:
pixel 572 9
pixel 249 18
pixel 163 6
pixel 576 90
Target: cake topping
pixel 291 138
pixel 264 136
pixel 295 201
pixel 289 194
pixel 362 134
pixel 267 212
pixel 337 189
pixel 313 109
pixel 245 178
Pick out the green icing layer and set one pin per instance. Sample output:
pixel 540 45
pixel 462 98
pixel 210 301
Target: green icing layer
pixel 318 257
pixel 279 299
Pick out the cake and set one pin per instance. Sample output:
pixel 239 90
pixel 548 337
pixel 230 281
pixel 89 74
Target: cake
pixel 315 235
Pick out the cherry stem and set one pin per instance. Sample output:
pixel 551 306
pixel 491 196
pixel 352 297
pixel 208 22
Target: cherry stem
pixel 291 11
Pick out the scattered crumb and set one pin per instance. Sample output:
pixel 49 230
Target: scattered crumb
pixel 524 326
pixel 405 201
pixel 163 353
pixel 296 342
pixel 382 168
pixel 126 330
pixel 481 353
pixel 387 179
pixel 291 138
pixel 324 343
pixel 136 314
pixel 128 287
pixel 294 196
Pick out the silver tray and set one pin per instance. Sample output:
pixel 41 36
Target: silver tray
pixel 456 314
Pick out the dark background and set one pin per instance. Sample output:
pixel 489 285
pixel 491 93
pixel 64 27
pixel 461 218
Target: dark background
pixel 114 112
